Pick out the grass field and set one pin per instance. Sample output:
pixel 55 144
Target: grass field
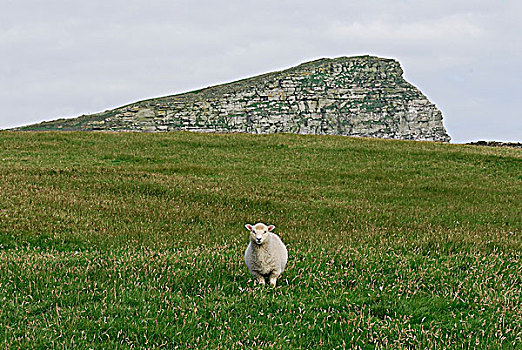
pixel 136 240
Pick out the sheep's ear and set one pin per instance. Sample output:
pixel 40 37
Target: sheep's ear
pixel 248 227
pixel 271 227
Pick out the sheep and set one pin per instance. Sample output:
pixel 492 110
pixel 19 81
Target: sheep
pixel 266 255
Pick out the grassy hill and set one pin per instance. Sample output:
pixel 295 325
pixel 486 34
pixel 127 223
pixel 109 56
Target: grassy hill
pixel 136 240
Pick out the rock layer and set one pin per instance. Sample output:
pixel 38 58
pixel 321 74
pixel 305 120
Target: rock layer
pixel 354 96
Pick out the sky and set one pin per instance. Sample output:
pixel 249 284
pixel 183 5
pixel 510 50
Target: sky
pixel 63 59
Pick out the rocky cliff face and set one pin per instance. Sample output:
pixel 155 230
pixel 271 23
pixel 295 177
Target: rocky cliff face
pixel 354 96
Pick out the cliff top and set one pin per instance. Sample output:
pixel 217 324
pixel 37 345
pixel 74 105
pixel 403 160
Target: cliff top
pixel 353 96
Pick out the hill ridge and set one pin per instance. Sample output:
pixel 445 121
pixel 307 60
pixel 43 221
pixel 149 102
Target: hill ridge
pixel 352 96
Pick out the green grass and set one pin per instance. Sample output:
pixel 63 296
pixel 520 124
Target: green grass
pixel 136 240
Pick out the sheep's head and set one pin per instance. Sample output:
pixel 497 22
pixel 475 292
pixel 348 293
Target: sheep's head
pixel 259 232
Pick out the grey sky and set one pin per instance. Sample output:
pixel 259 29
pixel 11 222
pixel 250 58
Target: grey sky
pixel 67 58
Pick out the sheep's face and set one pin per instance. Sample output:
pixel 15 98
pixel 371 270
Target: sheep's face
pixel 259 232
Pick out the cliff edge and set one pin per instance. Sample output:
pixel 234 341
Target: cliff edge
pixel 353 96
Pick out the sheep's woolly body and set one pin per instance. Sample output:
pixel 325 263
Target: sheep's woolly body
pixel 266 260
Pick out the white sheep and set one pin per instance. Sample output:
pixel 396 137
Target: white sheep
pixel 266 255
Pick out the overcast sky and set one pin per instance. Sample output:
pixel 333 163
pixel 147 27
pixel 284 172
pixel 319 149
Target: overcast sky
pixel 67 58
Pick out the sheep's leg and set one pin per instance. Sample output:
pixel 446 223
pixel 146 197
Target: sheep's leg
pixel 259 278
pixel 273 278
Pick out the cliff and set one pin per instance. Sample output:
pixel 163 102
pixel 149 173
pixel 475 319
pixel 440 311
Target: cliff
pixel 354 96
